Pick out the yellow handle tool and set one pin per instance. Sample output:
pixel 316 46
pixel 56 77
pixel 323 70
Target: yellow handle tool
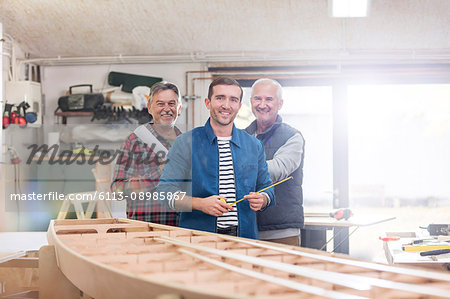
pixel 273 185
pixel 424 247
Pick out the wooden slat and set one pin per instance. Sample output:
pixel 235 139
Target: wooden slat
pixel 22 262
pixel 336 278
pixel 351 281
pixel 289 284
pixel 362 264
pixel 6 256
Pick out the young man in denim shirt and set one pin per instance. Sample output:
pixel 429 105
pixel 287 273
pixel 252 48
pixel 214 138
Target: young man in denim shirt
pixel 216 165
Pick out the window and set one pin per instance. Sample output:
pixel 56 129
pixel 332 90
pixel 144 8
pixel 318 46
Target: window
pixel 399 159
pixel 309 110
pixel 399 145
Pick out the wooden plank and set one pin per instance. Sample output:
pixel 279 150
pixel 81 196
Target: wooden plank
pixel 149 234
pixel 336 278
pixel 76 222
pixel 100 228
pixel 346 280
pixel 52 282
pixel 70 238
pixel 272 279
pixel 19 276
pixel 22 262
pixel 356 263
pixel 7 256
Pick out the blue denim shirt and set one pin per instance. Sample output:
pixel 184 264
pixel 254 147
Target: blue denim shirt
pixel 193 167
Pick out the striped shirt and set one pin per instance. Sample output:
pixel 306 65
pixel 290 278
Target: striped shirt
pixel 227 188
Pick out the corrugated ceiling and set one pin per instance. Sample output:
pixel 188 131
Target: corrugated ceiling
pixel 80 28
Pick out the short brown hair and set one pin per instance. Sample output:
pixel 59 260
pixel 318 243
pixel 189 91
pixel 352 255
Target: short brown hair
pixel 223 81
pixel 163 85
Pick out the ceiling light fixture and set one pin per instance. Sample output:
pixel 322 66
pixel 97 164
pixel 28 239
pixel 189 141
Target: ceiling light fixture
pixel 348 8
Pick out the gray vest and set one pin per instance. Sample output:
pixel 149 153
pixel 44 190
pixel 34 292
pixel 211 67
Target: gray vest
pixel 288 212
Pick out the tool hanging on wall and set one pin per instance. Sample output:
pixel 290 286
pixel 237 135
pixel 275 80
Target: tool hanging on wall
pixel 20 119
pixel 30 117
pixel 118 114
pixel 12 116
pixel 7 115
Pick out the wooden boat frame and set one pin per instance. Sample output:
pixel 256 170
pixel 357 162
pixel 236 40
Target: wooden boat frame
pixel 118 258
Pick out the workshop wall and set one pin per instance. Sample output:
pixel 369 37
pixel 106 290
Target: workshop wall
pixel 55 82
pixel 57 79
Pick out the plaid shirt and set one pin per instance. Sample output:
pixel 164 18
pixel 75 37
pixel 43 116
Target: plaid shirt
pixel 136 174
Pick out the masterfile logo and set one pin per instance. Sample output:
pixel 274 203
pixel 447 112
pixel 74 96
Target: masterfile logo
pixel 68 157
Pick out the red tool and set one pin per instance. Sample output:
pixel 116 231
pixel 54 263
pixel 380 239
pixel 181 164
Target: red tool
pixel 19 119
pixel 339 214
pixel 12 117
pixel 7 115
pixel 389 238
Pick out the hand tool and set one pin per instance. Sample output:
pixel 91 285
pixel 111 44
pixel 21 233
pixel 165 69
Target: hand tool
pixel 273 185
pixel 30 117
pixel 343 213
pixel 12 117
pixel 7 118
pixel 426 247
pixel 19 119
pixel 386 239
pixel 439 229
pixel 420 241
pixel 338 214
pixel 435 252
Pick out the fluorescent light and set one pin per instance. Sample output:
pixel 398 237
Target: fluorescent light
pixel 348 8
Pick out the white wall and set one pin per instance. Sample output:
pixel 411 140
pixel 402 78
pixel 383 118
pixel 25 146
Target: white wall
pixel 7 219
pixel 2 177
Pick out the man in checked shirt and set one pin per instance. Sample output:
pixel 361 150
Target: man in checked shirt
pixel 142 157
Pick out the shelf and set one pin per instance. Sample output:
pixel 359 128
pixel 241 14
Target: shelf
pixel 64 115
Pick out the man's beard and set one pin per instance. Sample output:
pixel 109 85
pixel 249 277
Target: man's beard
pixel 216 117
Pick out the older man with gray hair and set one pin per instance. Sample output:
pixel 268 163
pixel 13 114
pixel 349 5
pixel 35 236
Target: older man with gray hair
pixel 142 157
pixel 284 149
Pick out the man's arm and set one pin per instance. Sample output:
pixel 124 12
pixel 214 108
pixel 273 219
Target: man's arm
pixel 258 201
pixel 176 175
pixel 212 205
pixel 125 169
pixel 287 158
pixel 132 173
pixel 264 199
